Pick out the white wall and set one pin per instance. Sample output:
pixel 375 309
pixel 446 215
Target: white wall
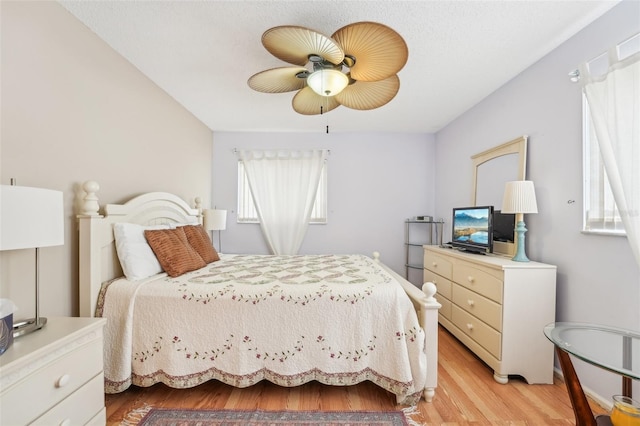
pixel 72 110
pixel 375 182
pixel 598 280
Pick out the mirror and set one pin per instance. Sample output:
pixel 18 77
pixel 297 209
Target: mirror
pixel 491 170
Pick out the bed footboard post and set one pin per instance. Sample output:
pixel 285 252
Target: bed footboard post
pixel 89 257
pixel 427 308
pixel 429 320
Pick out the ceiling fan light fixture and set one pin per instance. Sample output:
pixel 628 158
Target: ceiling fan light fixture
pixel 356 67
pixel 327 82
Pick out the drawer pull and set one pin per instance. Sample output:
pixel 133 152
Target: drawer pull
pixel 435 265
pixel 469 326
pixel 471 303
pixel 65 422
pixel 63 381
pixel 470 279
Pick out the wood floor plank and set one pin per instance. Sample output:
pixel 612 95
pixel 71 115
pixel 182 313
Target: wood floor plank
pixel 466 395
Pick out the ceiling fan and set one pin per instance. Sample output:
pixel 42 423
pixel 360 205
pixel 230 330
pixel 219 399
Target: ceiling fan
pixel 356 67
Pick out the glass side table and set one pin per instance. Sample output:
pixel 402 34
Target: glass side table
pixel 614 349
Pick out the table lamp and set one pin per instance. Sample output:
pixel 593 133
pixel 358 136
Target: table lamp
pixel 215 220
pixel 520 198
pixel 30 218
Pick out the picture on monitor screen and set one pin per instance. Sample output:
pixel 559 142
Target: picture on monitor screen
pixel 472 228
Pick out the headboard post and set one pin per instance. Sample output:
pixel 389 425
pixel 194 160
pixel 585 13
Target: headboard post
pixel 89 268
pixel 89 255
pixel 90 204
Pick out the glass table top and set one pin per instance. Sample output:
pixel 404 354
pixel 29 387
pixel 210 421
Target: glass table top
pixel 611 348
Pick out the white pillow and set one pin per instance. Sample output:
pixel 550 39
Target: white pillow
pixel 136 257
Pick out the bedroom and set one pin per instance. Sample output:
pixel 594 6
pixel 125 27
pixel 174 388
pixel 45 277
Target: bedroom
pixel 82 112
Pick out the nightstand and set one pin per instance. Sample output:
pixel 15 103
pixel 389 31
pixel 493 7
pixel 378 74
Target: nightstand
pixel 55 375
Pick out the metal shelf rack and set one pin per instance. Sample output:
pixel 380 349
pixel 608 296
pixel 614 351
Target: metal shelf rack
pixel 429 236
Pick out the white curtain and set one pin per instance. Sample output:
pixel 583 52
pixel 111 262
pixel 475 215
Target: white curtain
pixel 614 102
pixel 284 185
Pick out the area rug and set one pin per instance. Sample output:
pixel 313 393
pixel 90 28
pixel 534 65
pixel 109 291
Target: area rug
pixel 189 417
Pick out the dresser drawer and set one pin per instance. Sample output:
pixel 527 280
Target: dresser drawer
pixel 79 407
pixel 445 310
pixel 99 419
pixel 47 386
pixel 484 335
pixel 443 284
pixel 438 264
pixel 478 280
pixel 479 306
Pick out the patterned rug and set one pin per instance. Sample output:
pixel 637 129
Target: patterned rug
pixel 184 417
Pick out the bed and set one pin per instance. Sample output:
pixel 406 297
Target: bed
pixel 337 319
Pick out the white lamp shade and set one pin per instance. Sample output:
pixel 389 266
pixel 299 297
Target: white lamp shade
pixel 215 220
pixel 30 217
pixel 519 197
pixel 328 82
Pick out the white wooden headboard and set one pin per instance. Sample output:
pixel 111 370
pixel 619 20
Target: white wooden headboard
pixel 98 258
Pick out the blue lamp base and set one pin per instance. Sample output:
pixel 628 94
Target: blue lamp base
pixel 520 256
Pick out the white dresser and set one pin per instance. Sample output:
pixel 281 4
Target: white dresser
pixel 498 308
pixel 54 376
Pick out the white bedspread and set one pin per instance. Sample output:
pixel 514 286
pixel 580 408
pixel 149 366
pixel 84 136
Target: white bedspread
pixel 337 319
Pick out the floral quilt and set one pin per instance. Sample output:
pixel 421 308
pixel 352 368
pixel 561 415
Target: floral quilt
pixel 337 319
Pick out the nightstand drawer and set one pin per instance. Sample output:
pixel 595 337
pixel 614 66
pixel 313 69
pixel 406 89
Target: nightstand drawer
pixel 443 284
pixel 484 335
pixel 45 387
pixel 478 306
pixel 478 280
pixel 438 264
pixel 79 407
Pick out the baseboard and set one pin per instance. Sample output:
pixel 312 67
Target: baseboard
pixel 605 403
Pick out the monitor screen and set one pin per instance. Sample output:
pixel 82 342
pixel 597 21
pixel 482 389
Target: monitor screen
pixel 503 226
pixel 472 228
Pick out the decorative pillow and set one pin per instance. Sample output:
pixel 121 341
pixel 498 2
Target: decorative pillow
pixel 173 251
pixel 200 241
pixel 136 257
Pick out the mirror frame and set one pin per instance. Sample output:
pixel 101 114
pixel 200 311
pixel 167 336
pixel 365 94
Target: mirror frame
pixel 517 146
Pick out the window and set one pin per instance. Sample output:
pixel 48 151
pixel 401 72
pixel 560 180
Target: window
pixel 246 209
pixel 601 214
pixel 600 211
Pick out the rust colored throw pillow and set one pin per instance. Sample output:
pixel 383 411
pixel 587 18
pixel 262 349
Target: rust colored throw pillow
pixel 175 254
pixel 200 241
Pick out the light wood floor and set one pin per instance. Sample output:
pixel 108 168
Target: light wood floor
pixel 466 395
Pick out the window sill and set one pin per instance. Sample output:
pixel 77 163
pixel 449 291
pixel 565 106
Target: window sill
pixel 605 232
pixel 258 223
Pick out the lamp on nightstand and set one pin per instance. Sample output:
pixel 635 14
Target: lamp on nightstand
pixel 30 218
pixel 215 220
pixel 520 198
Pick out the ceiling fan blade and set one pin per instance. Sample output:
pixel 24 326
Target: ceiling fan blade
pixel 308 102
pixel 364 95
pixel 278 80
pixel 294 44
pixel 380 52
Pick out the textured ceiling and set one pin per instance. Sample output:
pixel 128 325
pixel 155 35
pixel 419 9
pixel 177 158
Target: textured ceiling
pixel 203 52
